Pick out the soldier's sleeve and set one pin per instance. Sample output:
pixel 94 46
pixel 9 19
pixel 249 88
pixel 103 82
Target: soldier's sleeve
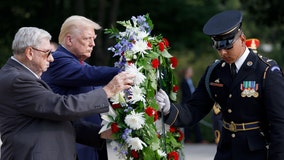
pixel 171 118
pixel 273 95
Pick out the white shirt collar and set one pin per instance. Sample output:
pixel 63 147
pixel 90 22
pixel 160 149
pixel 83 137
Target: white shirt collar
pixel 13 58
pixel 242 59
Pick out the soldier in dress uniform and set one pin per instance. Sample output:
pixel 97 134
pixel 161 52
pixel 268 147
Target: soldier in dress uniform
pixel 253 44
pixel 250 95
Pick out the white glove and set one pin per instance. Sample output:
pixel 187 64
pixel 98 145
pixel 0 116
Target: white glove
pixel 163 101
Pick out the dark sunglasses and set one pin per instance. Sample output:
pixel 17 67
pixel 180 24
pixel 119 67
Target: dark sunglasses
pixel 48 52
pixel 226 43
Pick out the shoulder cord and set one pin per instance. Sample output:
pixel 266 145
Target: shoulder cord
pixel 266 69
pixel 207 77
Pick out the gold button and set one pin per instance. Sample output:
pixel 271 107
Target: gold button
pixel 233 135
pixel 230 95
pixel 229 111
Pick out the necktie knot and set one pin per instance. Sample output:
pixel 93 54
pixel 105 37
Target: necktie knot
pixel 233 70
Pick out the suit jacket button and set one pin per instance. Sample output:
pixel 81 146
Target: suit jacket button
pixel 230 95
pixel 233 135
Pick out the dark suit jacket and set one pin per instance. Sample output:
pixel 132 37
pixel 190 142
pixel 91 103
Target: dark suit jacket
pixel 267 108
pixel 67 75
pixel 34 121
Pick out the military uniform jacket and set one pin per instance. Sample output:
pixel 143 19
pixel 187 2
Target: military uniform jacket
pixel 263 103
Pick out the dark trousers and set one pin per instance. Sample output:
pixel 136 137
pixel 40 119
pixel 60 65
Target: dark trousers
pixel 195 130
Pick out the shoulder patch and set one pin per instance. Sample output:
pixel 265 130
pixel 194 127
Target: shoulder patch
pixel 273 68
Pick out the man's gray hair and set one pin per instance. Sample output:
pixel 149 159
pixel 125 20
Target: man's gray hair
pixel 28 36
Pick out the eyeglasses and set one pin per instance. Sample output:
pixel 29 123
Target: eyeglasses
pixel 226 43
pixel 49 52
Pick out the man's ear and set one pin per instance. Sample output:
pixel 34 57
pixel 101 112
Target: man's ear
pixel 68 40
pixel 29 53
pixel 243 38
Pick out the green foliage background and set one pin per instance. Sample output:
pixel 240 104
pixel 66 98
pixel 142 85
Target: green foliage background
pixel 180 21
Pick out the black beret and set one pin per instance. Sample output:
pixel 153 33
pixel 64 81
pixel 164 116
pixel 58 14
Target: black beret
pixel 223 24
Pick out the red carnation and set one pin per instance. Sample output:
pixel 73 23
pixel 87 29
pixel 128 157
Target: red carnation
pixel 181 135
pixel 149 45
pixel 152 112
pixel 166 42
pixel 174 62
pixel 156 116
pixel 114 127
pixel 172 129
pixel 116 105
pixel 173 155
pixel 161 46
pixel 130 62
pixel 155 63
pixel 175 88
pixel 134 154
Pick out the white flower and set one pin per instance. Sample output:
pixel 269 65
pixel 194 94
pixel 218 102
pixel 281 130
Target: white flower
pixel 135 120
pixel 123 34
pixel 139 77
pixel 140 46
pixel 135 143
pixel 136 95
pixel 141 35
pixel 106 119
pixel 161 153
pixel 159 125
pixel 118 98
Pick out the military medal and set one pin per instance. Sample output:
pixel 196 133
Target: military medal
pixel 249 89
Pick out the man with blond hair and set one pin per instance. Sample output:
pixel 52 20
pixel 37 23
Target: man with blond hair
pixel 70 74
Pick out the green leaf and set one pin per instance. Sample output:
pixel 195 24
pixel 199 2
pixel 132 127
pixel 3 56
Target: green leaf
pixel 166 54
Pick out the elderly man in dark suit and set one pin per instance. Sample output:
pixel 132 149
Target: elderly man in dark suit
pixel 70 74
pixel 250 95
pixel 35 123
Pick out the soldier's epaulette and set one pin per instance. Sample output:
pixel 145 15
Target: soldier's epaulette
pixel 267 61
pixel 271 64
